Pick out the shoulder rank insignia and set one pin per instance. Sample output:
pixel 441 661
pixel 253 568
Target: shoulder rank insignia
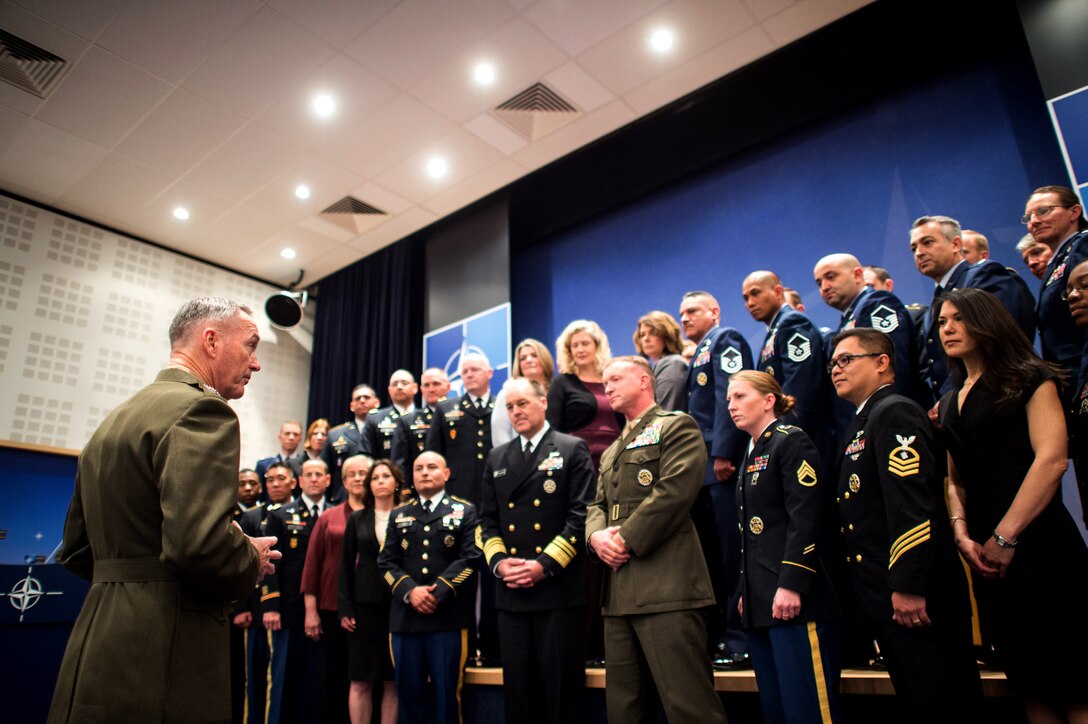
pixel 650 435
pixel 904 460
pixel 732 362
pixel 798 348
pixel 884 319
pixel 806 475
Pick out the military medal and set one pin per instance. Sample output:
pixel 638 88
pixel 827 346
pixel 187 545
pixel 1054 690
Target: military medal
pixel 701 379
pixel 645 477
pixel 549 486
pixel 756 525
pixel 449 541
pixel 453 433
pixel 856 446
pixel 854 483
pixel 294 542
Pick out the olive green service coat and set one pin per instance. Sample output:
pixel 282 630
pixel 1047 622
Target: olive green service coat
pixel 149 526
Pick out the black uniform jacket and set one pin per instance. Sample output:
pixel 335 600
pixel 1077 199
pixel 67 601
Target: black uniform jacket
pixel 536 509
pixel 890 499
pixel 462 435
pixel 384 437
pixel 415 426
pixel 783 526
pixel 360 578
pixel 440 547
pixel 281 591
pixel 344 441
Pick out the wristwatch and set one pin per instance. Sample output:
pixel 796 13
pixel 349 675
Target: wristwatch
pixel 1003 542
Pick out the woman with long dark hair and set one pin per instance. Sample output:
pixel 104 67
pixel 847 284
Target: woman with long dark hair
pixel 1006 437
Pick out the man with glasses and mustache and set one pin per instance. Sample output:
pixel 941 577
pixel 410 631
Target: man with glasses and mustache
pixel 909 586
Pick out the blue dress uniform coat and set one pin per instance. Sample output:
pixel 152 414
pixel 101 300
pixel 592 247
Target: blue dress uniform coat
pixel 989 276
pixel 782 513
pixel 719 355
pixel 536 509
pixel 793 353
pixel 149 525
pixel 1062 341
pixel 384 436
pixel 462 435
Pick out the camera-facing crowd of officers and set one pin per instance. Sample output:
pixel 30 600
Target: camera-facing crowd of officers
pixel 816 462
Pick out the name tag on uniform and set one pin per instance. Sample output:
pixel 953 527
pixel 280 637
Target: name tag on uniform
pixel 499 473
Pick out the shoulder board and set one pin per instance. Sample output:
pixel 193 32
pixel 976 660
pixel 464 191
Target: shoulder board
pixel 275 506
pixel 405 504
pixel 668 413
pixel 786 429
pixel 341 426
pixel 915 307
pixel 461 500
pixel 374 412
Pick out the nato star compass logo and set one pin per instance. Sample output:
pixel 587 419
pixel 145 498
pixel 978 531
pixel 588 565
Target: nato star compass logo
pixel 26 593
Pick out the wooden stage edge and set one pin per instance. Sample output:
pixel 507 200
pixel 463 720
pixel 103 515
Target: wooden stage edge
pixel 854 681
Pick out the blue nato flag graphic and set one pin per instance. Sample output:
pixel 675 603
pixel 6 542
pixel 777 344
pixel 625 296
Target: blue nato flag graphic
pixel 486 333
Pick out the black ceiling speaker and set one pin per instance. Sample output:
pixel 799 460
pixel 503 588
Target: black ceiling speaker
pixel 284 309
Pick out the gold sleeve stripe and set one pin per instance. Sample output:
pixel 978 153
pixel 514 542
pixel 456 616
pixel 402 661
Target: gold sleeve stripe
pixel 921 528
pixel 898 555
pixel 560 551
pixel 393 586
pixel 808 549
pixel 898 549
pixel 268 596
pixel 493 546
pixel 479 538
pixel 791 563
pixel 448 584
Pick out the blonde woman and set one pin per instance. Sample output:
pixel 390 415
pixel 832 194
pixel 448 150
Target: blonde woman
pixel 533 361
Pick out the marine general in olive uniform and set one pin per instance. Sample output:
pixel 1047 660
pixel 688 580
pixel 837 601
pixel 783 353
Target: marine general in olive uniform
pixel 658 586
pixel 532 519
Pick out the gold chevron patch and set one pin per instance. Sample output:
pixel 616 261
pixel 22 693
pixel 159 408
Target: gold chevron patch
pixel 806 474
pixel 914 537
pixel 904 460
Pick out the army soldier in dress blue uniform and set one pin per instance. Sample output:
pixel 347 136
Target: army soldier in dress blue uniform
pixel 292 692
pixel 435 386
pixel 908 581
pixel 793 353
pixel 720 352
pixel 428 561
pixel 532 521
pixel 346 440
pixel 383 434
pixel 787 600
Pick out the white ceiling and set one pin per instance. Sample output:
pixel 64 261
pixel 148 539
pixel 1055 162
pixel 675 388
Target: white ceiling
pixel 205 104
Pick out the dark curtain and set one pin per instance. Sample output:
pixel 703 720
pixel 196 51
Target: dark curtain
pixel 369 324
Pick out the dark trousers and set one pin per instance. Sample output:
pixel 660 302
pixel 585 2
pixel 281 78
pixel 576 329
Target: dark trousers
pixel 933 670
pixel 258 652
pixel 659 657
pixel 797 671
pixel 441 656
pixel 237 674
pixel 487 622
pixel 543 652
pixel 332 669
pixel 293 691
pixel 715 517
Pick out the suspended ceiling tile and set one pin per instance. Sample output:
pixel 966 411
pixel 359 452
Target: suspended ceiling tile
pixel 698 72
pixel 330 263
pixel 436 32
pixel 180 132
pixel 396 130
pixel 520 55
pixel 11 121
pixel 474 187
pixel 589 127
pixel 806 16
pixel 204 207
pixel 337 22
pixel 83 18
pixel 358 93
pixel 576 85
pixel 464 153
pixel 578 26
pixel 116 189
pixel 319 225
pixel 170 39
pixel 102 98
pixel 236 233
pixel 45 35
pixel 763 9
pixel 393 230
pixel 240 166
pixel 308 246
pixel 325 180
pixel 263 61
pixel 381 198
pixel 496 133
pixel 47 160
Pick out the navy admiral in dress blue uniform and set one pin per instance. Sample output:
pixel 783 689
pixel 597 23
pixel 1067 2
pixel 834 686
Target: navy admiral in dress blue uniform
pixel 793 353
pixel 720 352
pixel 428 560
pixel 532 521
pixel 937 245
pixel 291 694
pixel 346 440
pixel 384 436
pixel 787 600
pixel 908 581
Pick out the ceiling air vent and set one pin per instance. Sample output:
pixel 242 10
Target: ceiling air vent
pixel 536 111
pixel 26 66
pixel 354 215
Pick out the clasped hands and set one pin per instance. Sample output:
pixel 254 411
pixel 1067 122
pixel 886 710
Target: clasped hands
pixel 520 573
pixel 610 547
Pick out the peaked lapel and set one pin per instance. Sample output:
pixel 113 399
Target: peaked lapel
pixel 528 467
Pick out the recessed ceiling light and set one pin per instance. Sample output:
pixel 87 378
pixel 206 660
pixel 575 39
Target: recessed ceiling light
pixel 288 253
pixel 323 104
pixel 181 213
pixel 302 191
pixel 437 167
pixel 661 40
pixel 484 74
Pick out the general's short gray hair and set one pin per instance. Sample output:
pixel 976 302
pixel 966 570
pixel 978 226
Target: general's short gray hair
pixel 1026 242
pixel 949 226
pixel 202 309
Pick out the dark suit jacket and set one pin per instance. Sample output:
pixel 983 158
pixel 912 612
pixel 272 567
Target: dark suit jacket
pixel 570 405
pixel 720 354
pixel 360 578
pixel 462 434
pixel 536 509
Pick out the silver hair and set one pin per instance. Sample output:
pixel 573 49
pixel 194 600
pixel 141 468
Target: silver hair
pixel 949 226
pixel 202 309
pixel 1026 242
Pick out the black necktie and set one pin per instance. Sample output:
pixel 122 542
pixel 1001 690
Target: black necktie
pixel 426 506
pixel 528 450
pixel 480 404
pixel 937 292
pixel 316 510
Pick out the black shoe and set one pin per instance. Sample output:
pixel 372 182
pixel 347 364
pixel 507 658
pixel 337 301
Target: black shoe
pixel 595 664
pixel 879 663
pixel 732 662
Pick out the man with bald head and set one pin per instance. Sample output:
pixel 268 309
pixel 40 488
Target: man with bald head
pixel 842 286
pixel 792 353
pixel 383 435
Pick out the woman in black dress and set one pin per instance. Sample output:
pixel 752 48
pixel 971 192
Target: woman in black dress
pixel 365 599
pixel 1006 438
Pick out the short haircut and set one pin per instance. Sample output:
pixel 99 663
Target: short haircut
pixel 542 354
pixel 663 326
pixel 480 356
pixel 701 293
pixel 357 459
pixel 949 226
pixel 285 466
pixel 248 470
pixel 635 361
pixel 879 272
pixel 981 242
pixel 871 340
pixel 792 296
pixel 1026 242
pixel 363 385
pixel 291 422
pixel 562 345
pixel 536 387
pixel 202 309
pixel 316 461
